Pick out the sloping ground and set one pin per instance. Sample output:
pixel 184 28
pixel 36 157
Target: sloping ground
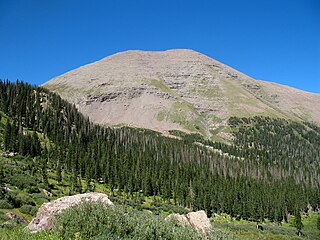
pixel 176 89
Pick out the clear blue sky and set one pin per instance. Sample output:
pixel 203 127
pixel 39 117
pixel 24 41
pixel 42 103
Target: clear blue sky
pixel 273 40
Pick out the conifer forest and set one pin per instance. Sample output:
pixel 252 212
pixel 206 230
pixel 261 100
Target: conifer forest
pixel 270 170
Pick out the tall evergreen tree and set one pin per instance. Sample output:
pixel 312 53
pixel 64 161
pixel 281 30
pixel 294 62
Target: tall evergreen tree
pixel 298 223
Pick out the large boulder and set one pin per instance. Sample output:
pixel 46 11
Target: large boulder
pixel 196 220
pixel 199 220
pixel 180 219
pixel 44 218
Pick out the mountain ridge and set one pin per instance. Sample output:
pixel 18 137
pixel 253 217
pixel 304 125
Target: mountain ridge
pixel 177 89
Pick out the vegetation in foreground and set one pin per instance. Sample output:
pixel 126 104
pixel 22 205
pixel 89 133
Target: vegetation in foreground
pixel 93 221
pixel 97 221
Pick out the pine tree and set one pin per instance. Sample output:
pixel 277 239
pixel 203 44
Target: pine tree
pixel 298 223
pixel 36 146
pixel 7 137
pixel 2 177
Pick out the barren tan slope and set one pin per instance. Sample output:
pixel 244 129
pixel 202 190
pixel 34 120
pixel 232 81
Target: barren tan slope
pixel 176 89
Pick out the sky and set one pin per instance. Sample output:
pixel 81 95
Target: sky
pixel 272 40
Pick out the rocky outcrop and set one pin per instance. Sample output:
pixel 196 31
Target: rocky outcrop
pixel 44 218
pixel 196 220
pixel 15 217
pixel 47 193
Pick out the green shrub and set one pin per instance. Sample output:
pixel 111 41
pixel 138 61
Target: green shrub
pixel 22 181
pixel 33 211
pixel 24 199
pixel 11 197
pixel 4 204
pixel 41 201
pixel 97 221
pixel 3 217
pixel 158 207
pixel 19 199
pixel 39 198
pixel 33 189
pixel 28 209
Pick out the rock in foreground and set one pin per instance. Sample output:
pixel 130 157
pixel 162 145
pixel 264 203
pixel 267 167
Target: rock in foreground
pixel 44 218
pixel 15 217
pixel 196 220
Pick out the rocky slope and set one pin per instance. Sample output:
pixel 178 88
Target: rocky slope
pixel 176 89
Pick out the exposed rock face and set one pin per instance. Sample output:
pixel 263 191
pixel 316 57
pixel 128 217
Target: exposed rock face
pixel 180 219
pixel 176 89
pixel 196 220
pixel 13 216
pixel 44 218
pixel 47 193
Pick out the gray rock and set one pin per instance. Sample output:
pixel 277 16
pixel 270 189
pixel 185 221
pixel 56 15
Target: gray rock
pixel 47 193
pixel 44 218
pixel 197 220
pixel 15 217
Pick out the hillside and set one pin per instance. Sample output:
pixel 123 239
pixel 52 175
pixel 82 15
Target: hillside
pixel 269 173
pixel 177 90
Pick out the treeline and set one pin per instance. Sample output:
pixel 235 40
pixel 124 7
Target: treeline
pixel 221 178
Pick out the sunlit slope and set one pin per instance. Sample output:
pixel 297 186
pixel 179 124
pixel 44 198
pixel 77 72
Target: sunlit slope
pixel 176 89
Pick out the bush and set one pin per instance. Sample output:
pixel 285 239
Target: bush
pixel 4 204
pixel 3 217
pixel 97 221
pixel 17 200
pixel 39 198
pixel 41 201
pixel 25 209
pixel 33 211
pixel 28 209
pixel 33 189
pixel 24 199
pixel 22 181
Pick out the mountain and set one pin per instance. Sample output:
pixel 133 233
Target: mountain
pixel 177 90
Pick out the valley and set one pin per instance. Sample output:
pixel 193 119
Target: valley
pixel 268 172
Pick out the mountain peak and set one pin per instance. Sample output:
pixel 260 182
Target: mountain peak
pixel 177 89
pixel 166 55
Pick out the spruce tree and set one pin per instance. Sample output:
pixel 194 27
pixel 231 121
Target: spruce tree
pixel 298 223
pixel 7 137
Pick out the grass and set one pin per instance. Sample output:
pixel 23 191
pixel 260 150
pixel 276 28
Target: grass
pixel 241 95
pixel 161 115
pixel 18 233
pixel 208 91
pixel 182 112
pixel 162 86
pixel 246 230
pixel 186 115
